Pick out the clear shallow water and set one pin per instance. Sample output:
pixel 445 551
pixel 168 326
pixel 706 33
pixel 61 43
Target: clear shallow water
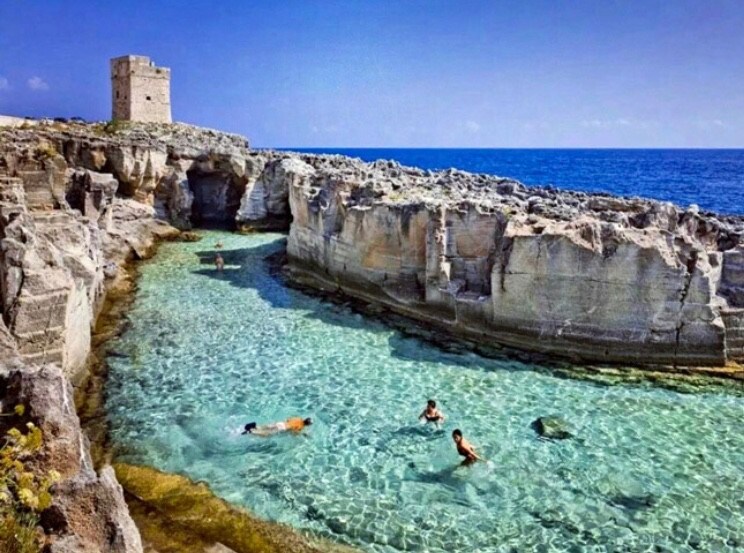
pixel 713 179
pixel 650 469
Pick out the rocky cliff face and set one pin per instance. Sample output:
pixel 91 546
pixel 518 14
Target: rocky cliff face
pixel 65 233
pixel 592 277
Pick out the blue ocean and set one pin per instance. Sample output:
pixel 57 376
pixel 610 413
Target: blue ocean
pixel 712 179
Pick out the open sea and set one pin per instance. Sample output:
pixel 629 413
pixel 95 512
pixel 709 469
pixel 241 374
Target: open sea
pixel 712 179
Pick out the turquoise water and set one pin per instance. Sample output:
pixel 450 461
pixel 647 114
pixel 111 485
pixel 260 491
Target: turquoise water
pixel 650 469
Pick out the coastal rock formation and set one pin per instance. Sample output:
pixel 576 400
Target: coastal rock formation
pixel 88 513
pixel 591 277
pixel 588 276
pixel 65 233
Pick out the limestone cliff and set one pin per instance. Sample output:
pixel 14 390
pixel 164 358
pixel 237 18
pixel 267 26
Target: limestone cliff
pixel 64 236
pixel 592 277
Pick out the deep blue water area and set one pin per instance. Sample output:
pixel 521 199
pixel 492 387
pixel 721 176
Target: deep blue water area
pixel 712 179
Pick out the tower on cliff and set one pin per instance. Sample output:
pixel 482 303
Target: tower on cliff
pixel 139 90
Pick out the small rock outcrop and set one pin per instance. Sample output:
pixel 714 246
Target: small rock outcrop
pixel 551 428
pixel 88 513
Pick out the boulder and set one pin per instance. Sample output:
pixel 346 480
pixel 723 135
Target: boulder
pixel 552 428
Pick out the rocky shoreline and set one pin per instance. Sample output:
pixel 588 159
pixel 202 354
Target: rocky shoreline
pixel 75 212
pixel 593 278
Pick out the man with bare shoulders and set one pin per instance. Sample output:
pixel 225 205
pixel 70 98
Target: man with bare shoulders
pixel 465 448
pixel 432 414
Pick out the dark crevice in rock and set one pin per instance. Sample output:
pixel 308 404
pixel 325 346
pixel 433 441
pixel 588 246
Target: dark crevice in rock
pixel 690 264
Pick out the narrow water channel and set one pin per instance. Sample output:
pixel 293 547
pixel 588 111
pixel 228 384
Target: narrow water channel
pixel 648 469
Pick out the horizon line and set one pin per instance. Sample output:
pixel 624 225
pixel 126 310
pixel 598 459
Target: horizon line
pixel 630 148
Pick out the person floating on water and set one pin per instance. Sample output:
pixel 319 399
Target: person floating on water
pixel 465 448
pixel 292 424
pixel 219 263
pixel 431 413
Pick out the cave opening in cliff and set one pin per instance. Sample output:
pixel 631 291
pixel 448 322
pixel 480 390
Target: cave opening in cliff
pixel 216 199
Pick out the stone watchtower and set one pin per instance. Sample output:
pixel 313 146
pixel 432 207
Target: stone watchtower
pixel 139 90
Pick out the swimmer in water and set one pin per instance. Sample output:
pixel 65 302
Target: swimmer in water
pixel 292 424
pixel 465 448
pixel 431 413
pixel 219 263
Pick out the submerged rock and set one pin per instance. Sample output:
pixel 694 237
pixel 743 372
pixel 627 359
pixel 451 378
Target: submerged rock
pixel 188 236
pixel 552 428
pixel 192 508
pixel 633 502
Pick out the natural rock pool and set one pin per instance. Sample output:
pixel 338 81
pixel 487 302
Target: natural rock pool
pixel 649 469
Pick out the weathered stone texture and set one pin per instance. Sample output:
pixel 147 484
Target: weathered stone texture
pixel 139 90
pixel 596 278
pixel 88 513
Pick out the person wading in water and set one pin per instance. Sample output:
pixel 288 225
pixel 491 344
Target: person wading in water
pixel 465 448
pixel 432 414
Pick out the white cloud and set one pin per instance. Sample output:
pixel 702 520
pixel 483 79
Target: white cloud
pixel 37 83
pixel 472 126
pixel 619 122
pixel 711 124
pixel 4 84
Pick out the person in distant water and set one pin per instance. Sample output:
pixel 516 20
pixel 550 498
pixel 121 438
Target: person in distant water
pixel 219 262
pixel 465 448
pixel 218 246
pixel 292 424
pixel 431 413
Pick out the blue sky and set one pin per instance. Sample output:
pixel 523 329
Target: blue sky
pixel 405 73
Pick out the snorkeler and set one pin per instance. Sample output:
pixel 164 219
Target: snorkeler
pixel 292 424
pixel 431 413
pixel 219 262
pixel 465 448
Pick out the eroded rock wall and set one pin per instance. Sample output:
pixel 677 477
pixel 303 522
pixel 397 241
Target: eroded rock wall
pixel 66 231
pixel 595 278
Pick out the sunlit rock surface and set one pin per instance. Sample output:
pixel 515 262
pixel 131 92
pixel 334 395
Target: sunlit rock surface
pixel 591 277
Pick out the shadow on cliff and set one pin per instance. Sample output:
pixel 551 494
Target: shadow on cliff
pixel 240 270
pixel 259 268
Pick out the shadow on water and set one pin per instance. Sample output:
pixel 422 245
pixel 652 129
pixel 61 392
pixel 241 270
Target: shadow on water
pixel 273 290
pixel 409 344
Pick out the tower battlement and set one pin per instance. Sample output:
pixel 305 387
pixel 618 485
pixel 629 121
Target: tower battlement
pixel 140 91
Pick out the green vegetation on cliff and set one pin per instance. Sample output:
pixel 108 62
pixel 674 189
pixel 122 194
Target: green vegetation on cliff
pixel 24 493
